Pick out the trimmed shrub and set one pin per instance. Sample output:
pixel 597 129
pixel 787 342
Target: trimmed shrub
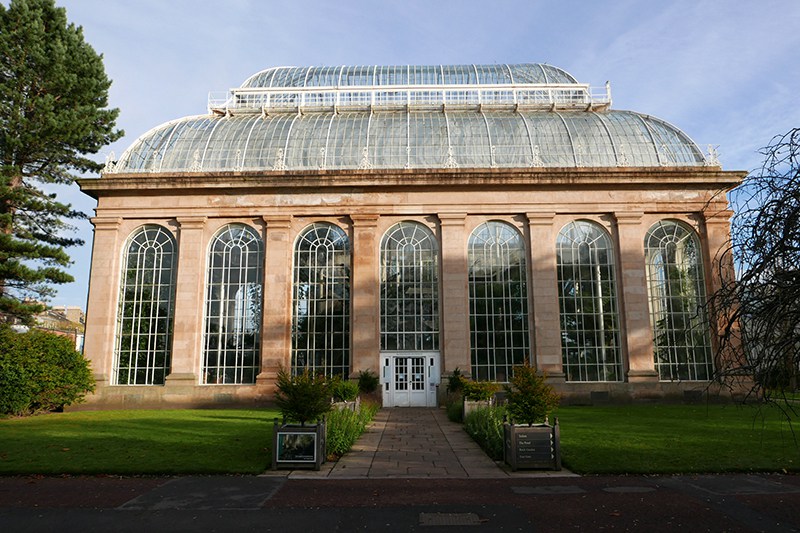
pixel 344 426
pixel 368 381
pixel 485 426
pixel 343 390
pixel 302 397
pixel 40 372
pixel 530 399
pixel 478 391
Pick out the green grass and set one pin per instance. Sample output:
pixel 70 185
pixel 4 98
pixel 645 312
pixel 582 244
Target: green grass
pixel 138 442
pixel 641 439
pixel 662 439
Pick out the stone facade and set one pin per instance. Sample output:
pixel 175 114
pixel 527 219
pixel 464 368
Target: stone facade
pixel 279 204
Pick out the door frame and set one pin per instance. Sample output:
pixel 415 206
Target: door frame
pixel 432 378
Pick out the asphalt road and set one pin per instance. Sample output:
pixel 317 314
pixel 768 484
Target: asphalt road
pixel 275 502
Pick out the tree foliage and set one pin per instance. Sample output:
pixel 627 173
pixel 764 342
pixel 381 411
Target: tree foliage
pixel 40 372
pixel 303 397
pixel 53 112
pixel 759 309
pixel 529 398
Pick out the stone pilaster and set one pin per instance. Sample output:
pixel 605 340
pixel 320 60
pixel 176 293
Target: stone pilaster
pixel 544 289
pixel 276 330
pixel 101 309
pixel 455 294
pixel 636 311
pixel 364 288
pixel 189 298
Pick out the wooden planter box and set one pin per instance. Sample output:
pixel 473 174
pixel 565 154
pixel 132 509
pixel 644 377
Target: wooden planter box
pixel 295 446
pixel 532 447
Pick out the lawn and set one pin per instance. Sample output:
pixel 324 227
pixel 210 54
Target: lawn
pixel 638 439
pixel 662 439
pixel 138 442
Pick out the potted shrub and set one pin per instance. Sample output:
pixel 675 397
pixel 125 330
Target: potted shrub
pixel 344 393
pixel 529 440
pixel 301 398
pixel 477 394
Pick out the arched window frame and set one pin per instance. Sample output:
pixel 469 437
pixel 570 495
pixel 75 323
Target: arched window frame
pixel 498 301
pixel 676 295
pixel 321 301
pixel 143 343
pixel 233 304
pixel 409 288
pixel 588 308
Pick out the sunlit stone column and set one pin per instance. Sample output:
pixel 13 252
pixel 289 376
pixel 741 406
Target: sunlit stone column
pixel 365 294
pixel 189 294
pixel 636 312
pixel 101 309
pixel 455 295
pixel 544 288
pixel 276 330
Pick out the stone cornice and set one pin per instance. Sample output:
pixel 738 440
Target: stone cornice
pixel 592 178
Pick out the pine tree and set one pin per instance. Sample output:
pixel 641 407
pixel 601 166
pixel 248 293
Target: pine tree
pixel 53 112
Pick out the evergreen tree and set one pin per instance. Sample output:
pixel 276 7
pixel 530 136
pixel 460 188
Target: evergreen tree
pixel 53 112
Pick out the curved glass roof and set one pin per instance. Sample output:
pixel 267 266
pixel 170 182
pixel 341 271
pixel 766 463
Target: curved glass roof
pixel 345 76
pixel 397 140
pixel 424 117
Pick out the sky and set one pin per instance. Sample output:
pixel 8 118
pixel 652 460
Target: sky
pixel 726 72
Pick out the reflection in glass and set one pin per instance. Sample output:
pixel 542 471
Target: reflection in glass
pixel 321 301
pixel 675 284
pixel 144 320
pixel 498 301
pixel 409 288
pixel 233 307
pixel 587 296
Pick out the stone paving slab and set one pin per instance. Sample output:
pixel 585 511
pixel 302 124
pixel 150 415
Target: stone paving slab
pixel 417 443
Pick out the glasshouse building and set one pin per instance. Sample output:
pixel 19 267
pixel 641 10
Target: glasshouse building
pixel 410 221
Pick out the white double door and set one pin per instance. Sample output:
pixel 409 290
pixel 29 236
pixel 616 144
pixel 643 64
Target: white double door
pixel 410 379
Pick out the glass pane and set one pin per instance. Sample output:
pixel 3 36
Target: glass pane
pixel 498 295
pixel 145 314
pixel 232 340
pixel 321 301
pixel 676 291
pixel 588 303
pixel 409 288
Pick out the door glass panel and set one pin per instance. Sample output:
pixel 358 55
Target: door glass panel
pixel 417 373
pixel 400 382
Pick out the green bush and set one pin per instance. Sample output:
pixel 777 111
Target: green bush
pixel 343 390
pixel 529 398
pixel 40 372
pixel 368 381
pixel 344 426
pixel 455 411
pixel 478 391
pixel 485 426
pixel 455 382
pixel 302 397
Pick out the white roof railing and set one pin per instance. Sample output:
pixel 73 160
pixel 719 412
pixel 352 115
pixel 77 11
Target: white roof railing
pixel 269 100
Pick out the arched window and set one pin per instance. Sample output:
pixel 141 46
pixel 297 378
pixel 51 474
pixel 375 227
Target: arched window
pixel 498 301
pixel 409 288
pixel 231 351
pixel 144 320
pixel 587 296
pixel 321 301
pixel 675 283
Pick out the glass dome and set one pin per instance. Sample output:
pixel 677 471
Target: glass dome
pixel 491 128
pixel 408 75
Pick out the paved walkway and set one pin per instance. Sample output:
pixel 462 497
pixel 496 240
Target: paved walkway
pixel 417 443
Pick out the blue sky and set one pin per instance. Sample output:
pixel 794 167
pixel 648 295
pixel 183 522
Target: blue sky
pixel 727 72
